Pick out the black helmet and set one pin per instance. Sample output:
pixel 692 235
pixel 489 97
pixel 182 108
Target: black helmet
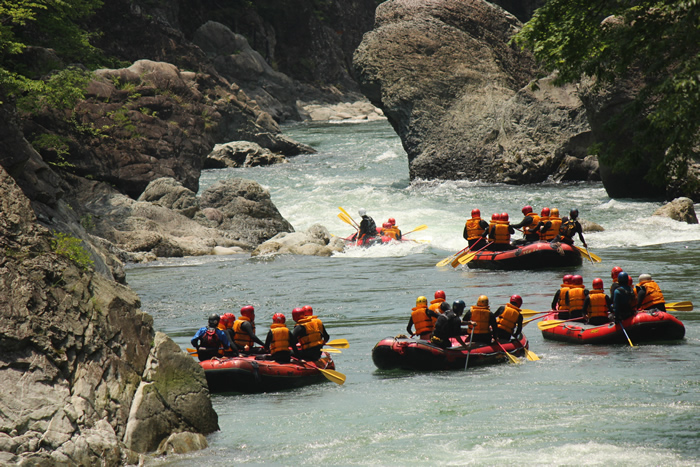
pixel 213 320
pixel 623 278
pixel 573 214
pixel 458 306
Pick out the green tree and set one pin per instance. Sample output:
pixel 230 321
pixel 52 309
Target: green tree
pixel 616 39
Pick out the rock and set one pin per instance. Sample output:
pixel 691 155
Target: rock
pixel 182 443
pixel 456 93
pixel 590 226
pixel 350 111
pixel 241 154
pixel 316 241
pixel 680 209
pixel 169 193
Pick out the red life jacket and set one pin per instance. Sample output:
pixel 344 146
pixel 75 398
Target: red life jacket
pixel 210 339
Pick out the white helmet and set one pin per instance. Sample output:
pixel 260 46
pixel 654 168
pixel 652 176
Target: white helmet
pixel 644 277
pixel 362 212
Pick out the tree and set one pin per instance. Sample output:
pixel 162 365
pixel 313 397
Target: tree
pixel 612 40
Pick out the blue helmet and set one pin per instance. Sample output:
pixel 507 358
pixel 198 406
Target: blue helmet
pixel 623 278
pixel 458 306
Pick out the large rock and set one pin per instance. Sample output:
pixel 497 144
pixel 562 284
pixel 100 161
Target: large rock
pixel 241 154
pixel 316 241
pixel 680 209
pixel 452 87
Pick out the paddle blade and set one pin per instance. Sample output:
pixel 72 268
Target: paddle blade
pixel 532 356
pixel 444 262
pixel 526 312
pixel 589 255
pixel 331 350
pixel 332 375
pixel 339 343
pixel 549 324
pixel 417 229
pixel 679 306
pixel 344 218
pixel 466 258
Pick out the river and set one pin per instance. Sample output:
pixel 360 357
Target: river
pixel 577 405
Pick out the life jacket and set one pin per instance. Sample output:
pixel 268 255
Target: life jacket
pixel 653 295
pixel 567 229
pixel 562 297
pixel 502 235
pixel 392 232
pixel 598 306
pixel 553 229
pixel 371 226
pixel 509 318
pixel 576 297
pixel 422 322
pixel 530 229
pixel 544 220
pixel 313 337
pixel 492 231
pixel 280 338
pixel 210 339
pixel 480 315
pixel 240 337
pixel 435 305
pixel 474 231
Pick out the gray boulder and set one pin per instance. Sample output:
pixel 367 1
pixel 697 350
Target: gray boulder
pixel 169 193
pixel 241 154
pixel 680 209
pixel 316 241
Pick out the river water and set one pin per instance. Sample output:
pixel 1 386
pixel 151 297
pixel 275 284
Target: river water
pixel 578 405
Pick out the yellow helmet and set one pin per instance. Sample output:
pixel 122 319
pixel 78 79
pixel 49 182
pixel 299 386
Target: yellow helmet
pixel 482 301
pixel 554 212
pixel 421 301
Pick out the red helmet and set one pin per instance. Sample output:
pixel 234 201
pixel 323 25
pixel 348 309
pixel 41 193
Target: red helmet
pixel 278 318
pixel 297 314
pixel 577 280
pixel 386 225
pixel 476 213
pixel 248 311
pixel 308 311
pixel 227 320
pixel 567 279
pixel 440 294
pixel 615 271
pixel 392 221
pixel 494 217
pixel 527 209
pixel 504 216
pixel 516 300
pixel 545 212
pixel 597 283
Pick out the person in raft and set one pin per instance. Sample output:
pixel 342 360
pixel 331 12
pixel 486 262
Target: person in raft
pixel 559 300
pixel 422 318
pixel 244 331
pixel 597 305
pixel 209 339
pixel 529 225
pixel 439 300
pixel 649 296
pixel 509 319
pixel 549 228
pixel 624 300
pixel 614 273
pixel 393 231
pixel 449 324
pixel 226 325
pixel 368 229
pixel 570 228
pixel 575 297
pixel 480 318
pixel 475 231
pixel 310 332
pixel 280 340
pixel 499 233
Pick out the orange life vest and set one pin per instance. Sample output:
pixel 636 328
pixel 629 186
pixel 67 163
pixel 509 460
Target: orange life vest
pixel 509 318
pixel 435 305
pixel 280 338
pixel 553 229
pixel 576 297
pixel 480 315
pixel 313 337
pixel 474 231
pixel 501 234
pixel 530 229
pixel 562 297
pixel 598 306
pixel 422 322
pixel 653 295
pixel 241 338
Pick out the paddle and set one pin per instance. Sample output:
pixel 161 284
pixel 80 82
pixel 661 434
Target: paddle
pixel 417 229
pixel 471 335
pixel 449 259
pixel 331 375
pixel 526 312
pixel 679 306
pixel 349 217
pixel 533 319
pixel 339 343
pixel 511 357
pixel 466 258
pixel 331 350
pixel 591 256
pixel 628 337
pixel 345 219
pixel 552 323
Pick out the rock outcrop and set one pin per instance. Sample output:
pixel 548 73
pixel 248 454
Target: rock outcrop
pixel 241 154
pixel 316 241
pixel 445 76
pixel 680 209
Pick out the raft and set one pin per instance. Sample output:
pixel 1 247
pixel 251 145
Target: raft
pixel 378 240
pixel 538 255
pixel 255 374
pixel 420 355
pixel 644 327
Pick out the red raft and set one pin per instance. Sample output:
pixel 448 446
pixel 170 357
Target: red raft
pixel 538 255
pixel 645 326
pixel 254 373
pixel 378 240
pixel 420 355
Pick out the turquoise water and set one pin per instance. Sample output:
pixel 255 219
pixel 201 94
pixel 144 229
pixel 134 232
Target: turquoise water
pixel 578 405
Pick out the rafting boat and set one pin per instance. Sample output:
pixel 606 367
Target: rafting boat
pixel 538 255
pixel 378 240
pixel 645 326
pixel 420 355
pixel 256 373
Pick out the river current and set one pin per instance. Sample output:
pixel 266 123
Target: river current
pixel 577 405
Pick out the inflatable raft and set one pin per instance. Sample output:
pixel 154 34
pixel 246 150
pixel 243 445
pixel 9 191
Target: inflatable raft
pixel 538 255
pixel 255 373
pixel 420 355
pixel 645 326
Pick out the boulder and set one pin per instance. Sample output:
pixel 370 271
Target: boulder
pixel 316 241
pixel 680 209
pixel 169 193
pixel 241 154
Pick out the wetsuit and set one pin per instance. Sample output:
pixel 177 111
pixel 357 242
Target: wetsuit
pixel 448 325
pixel 207 341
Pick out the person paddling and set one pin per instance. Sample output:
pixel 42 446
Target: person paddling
pixel 569 228
pixel 624 300
pixel 244 330
pixel 482 320
pixel 422 318
pixel 280 340
pixel 368 229
pixel 475 231
pixel 208 339
pixel 448 325
pixel 509 319
pixel 529 225
pixel 559 300
pixel 310 333
pixel 649 296
pixel 575 297
pixel 597 305
pixel 226 325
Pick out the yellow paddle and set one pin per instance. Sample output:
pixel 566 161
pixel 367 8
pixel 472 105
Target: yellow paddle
pixel 345 219
pixel 331 375
pixel 417 229
pixel 349 217
pixel 331 350
pixel 512 358
pixel 526 312
pixel 449 259
pixel 466 258
pixel 532 356
pixel 587 254
pixel 339 343
pixel 679 306
pixel 552 323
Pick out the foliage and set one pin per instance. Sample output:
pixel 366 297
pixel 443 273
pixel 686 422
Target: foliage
pixel 614 39
pixel 72 248
pixel 57 144
pixel 61 91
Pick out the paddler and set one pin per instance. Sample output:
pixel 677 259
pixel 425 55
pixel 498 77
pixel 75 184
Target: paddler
pixel 616 270
pixel 509 319
pixel 597 305
pixel 624 300
pixel 422 318
pixel 394 230
pixel 280 339
pixel 209 339
pixel 575 297
pixel 480 318
pixel 449 324
pixel 226 325
pixel 310 333
pixel 475 231
pixel 550 229
pixel 244 330
pixel 529 225
pixel 500 233
pixel 368 229
pixel 439 300
pixel 649 296
pixel 559 300
pixel 570 228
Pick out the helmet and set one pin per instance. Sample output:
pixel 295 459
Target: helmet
pixel 504 216
pixel 362 212
pixel 494 217
pixel 476 213
pixel 567 279
pixel 516 300
pixel 386 225
pixel 573 214
pixel 527 209
pixel 545 212
pixel 213 320
pixel 308 311
pixel 644 277
pixel 597 283
pixel 248 311
pixel 577 280
pixel 615 271
pixel 623 278
pixel 440 294
pixel 392 221
pixel 554 212
pixel 227 319
pixel 297 314
pixel 421 301
pixel 483 300
pixel 278 318
pixel 444 307
pixel 458 306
